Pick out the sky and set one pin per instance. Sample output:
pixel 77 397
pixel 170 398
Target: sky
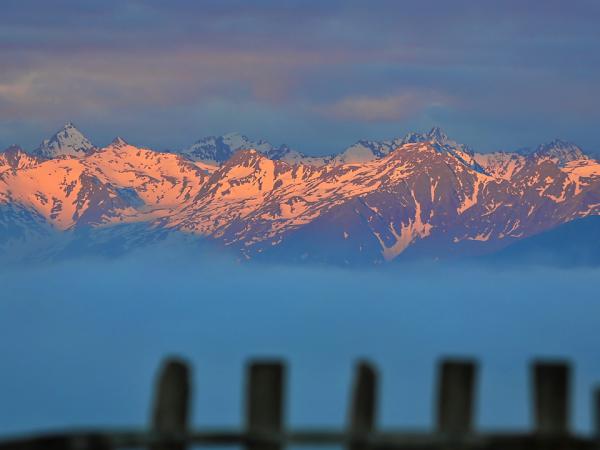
pixel 315 75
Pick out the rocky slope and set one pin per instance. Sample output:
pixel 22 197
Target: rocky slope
pixel 421 196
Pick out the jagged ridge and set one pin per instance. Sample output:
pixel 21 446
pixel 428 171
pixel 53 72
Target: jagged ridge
pixel 427 196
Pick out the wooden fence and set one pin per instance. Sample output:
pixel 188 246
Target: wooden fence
pixel 265 406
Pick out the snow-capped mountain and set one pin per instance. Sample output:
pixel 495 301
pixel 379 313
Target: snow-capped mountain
pixel 422 195
pixel 505 164
pixel 68 141
pixel 365 150
pixel 561 151
pixel 218 149
pixel 500 164
pixel 14 157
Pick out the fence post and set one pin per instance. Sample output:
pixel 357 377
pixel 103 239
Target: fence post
pixel 456 397
pixel 596 413
pixel 265 404
pixel 363 409
pixel 172 403
pixel 551 397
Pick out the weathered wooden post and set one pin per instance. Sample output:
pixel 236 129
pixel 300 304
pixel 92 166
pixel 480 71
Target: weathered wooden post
pixel 265 405
pixel 363 410
pixel 595 410
pixel 456 397
pixel 551 397
pixel 172 403
pixel 596 413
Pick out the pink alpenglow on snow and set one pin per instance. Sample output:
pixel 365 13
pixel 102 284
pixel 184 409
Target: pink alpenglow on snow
pixel 423 193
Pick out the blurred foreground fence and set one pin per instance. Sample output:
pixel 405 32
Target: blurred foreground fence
pixel 265 407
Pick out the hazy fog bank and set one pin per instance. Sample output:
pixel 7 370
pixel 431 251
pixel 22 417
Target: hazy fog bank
pixel 81 341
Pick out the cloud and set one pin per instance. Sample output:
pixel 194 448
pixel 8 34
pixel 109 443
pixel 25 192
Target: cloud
pixel 390 108
pixel 308 61
pixel 103 80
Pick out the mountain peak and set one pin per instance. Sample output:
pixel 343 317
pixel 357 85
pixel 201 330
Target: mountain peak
pixel 68 141
pixel 233 135
pixel 560 143
pixel 426 198
pixel 247 157
pixel 13 149
pixel 367 150
pixel 245 154
pixel 219 149
pixel 118 142
pixel 561 151
pixel 437 134
pixel 16 157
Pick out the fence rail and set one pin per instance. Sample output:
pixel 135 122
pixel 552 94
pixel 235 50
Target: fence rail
pixel 265 412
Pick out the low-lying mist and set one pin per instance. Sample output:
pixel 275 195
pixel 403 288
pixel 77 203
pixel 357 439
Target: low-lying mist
pixel 81 341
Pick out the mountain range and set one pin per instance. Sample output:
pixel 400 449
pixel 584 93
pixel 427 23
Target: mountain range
pixel 423 195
